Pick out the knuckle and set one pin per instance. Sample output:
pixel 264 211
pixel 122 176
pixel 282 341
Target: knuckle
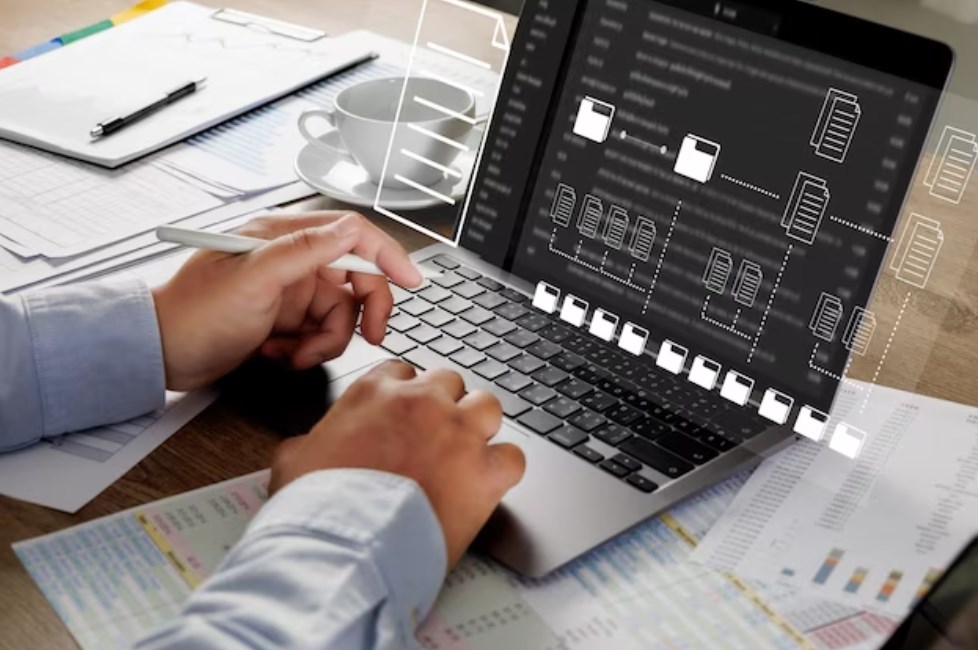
pixel 302 239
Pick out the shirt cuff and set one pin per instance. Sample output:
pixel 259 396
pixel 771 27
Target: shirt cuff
pixel 97 354
pixel 387 515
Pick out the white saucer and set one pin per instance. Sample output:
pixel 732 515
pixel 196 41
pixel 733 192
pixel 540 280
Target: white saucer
pixel 337 178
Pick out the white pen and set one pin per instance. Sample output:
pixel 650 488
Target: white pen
pixel 237 245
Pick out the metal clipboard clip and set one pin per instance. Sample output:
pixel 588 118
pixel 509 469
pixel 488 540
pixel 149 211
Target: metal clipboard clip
pixel 268 25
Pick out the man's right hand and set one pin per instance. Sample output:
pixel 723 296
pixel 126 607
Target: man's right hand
pixel 423 427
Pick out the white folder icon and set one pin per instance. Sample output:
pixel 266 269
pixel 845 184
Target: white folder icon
pixel 633 339
pixel 776 406
pixel 671 357
pixel 811 423
pixel 697 158
pixel 604 325
pixel 594 119
pixel 737 388
pixel 705 373
pixel 847 440
pixel 574 310
pixel 546 297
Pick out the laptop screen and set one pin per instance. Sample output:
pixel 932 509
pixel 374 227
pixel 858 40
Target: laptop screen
pixel 723 177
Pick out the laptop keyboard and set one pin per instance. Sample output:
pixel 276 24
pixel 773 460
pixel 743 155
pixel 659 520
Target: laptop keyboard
pixel 560 383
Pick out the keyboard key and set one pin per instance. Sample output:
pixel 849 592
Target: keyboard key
pixel 477 316
pixel 538 395
pixel 686 447
pixel 398 344
pixel 567 361
pixel 650 428
pixel 589 373
pixel 504 352
pixel 512 294
pixel 499 327
pixel 445 262
pixel 480 341
pixel 512 311
pixel 467 273
pixel 623 414
pixel 639 400
pixel 490 369
pixel 526 364
pixel 533 322
pixel 400 295
pixel 539 422
pixel 490 300
pixel 437 318
pixel 456 305
pixel 544 350
pixel 598 401
pixel 550 376
pixel 402 323
pixel 435 295
pixel 656 457
pixel 613 388
pixel 630 464
pixel 416 307
pixel 613 434
pixel 490 284
pixel 562 407
pixel 514 382
pixel 556 333
pixel 588 454
pixel 423 334
pixel 459 329
pixel 574 388
pixel 425 359
pixel 448 280
pixel 522 338
pixel 641 483
pixel 469 290
pixel 716 441
pixel 587 420
pixel 446 346
pixel 467 357
pixel 513 406
pixel 613 468
pixel 568 437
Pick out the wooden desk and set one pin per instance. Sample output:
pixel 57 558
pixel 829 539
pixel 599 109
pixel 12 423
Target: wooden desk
pixel 198 455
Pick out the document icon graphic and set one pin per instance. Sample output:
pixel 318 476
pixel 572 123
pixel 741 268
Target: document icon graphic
pixel 705 373
pixel 811 423
pixel 604 325
pixel 672 357
pixel 643 240
pixel 836 125
pixel 826 318
pixel 847 440
pixel 859 331
pixel 590 218
pixel 562 209
pixel 633 339
pixel 952 166
pixel 617 228
pixel 546 298
pixel 697 158
pixel 748 283
pixel 806 208
pixel 718 271
pixel 916 254
pixel 776 406
pixel 594 119
pixel 574 310
pixel 737 388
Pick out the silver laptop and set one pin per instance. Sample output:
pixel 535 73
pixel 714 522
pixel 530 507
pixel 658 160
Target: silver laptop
pixel 668 250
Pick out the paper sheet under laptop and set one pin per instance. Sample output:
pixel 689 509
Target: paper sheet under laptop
pixel 53 101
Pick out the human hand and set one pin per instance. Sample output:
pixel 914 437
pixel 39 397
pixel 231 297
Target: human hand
pixel 280 300
pixel 424 428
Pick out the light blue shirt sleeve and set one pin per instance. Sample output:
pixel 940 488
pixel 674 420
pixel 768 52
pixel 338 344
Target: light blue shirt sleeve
pixel 76 357
pixel 339 559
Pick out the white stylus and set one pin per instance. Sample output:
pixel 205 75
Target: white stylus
pixel 236 245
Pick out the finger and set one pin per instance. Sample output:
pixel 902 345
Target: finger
pixel 507 464
pixel 484 411
pixel 280 348
pixel 378 302
pixel 334 334
pixel 295 305
pixel 393 369
pixel 445 382
pixel 287 259
pixel 374 245
pixel 275 226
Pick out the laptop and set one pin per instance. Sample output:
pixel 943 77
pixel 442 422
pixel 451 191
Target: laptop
pixel 668 251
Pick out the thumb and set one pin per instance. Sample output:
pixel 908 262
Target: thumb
pixel 507 466
pixel 290 258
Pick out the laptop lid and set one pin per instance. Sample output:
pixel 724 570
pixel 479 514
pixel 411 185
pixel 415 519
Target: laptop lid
pixel 726 176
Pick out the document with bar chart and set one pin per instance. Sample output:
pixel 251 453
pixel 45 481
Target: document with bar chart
pixel 870 534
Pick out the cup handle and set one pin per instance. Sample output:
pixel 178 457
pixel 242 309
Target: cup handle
pixel 330 118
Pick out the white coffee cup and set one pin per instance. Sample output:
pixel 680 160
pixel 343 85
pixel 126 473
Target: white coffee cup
pixel 365 114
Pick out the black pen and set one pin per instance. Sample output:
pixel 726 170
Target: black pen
pixel 109 127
